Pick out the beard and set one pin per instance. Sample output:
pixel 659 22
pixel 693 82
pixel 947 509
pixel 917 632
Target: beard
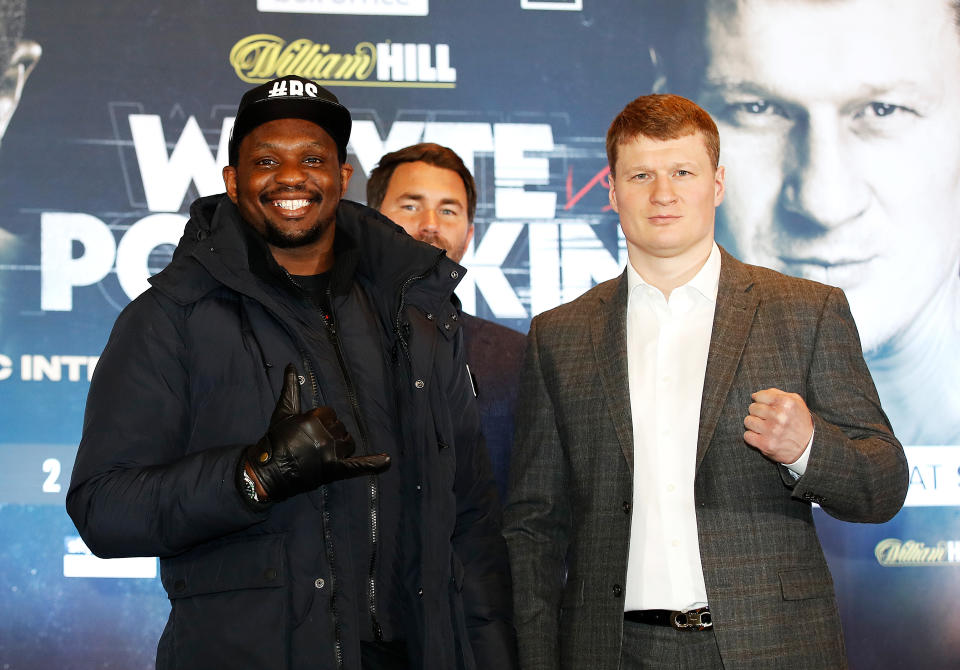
pixel 285 239
pixel 279 237
pixel 440 242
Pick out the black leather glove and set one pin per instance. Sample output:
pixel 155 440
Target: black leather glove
pixel 303 451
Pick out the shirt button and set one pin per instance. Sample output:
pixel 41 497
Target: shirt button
pixel 420 593
pixel 617 590
pixel 626 507
pixel 419 384
pixel 319 583
pixel 671 488
pixel 454 274
pixel 676 543
pixel 429 316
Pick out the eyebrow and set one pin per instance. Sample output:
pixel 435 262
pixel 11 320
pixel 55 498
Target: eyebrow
pixel 276 147
pixel 864 90
pixel 419 196
pixel 671 166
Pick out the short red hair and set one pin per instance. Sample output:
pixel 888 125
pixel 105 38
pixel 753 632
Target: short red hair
pixel 662 117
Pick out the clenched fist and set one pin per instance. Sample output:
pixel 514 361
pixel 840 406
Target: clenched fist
pixel 779 425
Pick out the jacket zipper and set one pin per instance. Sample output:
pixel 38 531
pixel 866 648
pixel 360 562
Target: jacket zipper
pixel 327 531
pixel 373 486
pixel 403 295
pixel 327 527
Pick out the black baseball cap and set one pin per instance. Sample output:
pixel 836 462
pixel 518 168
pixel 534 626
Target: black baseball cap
pixel 291 97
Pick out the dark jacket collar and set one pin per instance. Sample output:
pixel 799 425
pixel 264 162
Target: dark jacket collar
pixel 217 248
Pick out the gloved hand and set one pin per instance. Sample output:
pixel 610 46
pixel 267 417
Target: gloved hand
pixel 303 451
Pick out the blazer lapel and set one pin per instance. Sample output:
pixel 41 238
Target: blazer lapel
pixel 737 302
pixel 608 333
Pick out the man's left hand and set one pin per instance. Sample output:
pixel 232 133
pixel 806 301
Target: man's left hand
pixel 779 425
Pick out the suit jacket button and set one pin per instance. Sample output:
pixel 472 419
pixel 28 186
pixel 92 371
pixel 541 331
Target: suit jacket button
pixel 626 507
pixel 617 590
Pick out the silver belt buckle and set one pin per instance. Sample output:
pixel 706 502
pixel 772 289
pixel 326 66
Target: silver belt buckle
pixel 698 619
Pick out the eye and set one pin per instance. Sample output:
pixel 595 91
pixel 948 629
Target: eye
pixel 313 160
pixel 883 119
pixel 448 212
pixel 754 113
pixel 265 162
pixel 881 109
pixel 683 173
pixel 641 176
pixel 759 107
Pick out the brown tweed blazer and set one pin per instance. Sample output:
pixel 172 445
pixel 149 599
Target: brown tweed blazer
pixel 567 522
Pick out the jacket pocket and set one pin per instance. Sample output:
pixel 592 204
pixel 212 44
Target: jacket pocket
pixel 229 606
pixel 804 583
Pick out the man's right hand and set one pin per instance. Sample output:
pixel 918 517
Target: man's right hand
pixel 303 451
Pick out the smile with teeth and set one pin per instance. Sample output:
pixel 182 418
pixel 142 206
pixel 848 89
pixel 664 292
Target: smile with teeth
pixel 291 205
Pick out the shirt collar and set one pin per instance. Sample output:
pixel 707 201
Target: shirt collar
pixel 706 281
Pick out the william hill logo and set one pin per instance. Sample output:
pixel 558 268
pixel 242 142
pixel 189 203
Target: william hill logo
pixel 894 553
pixel 262 57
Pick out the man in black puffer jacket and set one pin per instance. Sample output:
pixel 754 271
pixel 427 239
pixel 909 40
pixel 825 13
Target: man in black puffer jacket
pixel 286 420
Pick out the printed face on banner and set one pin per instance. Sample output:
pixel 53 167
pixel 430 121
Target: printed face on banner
pixel 666 193
pixel 838 124
pixel 16 69
pixel 18 57
pixel 430 203
pixel 288 182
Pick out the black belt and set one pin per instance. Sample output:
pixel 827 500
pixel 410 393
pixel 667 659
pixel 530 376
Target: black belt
pixel 698 619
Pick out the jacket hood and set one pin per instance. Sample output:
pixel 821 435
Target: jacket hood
pixel 215 250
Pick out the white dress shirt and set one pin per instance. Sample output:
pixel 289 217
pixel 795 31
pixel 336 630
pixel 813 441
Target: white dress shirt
pixel 667 347
pixel 668 342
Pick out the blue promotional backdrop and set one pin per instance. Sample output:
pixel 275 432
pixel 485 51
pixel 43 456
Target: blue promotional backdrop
pixel 837 124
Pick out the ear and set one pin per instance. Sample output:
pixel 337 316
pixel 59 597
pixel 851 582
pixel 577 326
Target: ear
pixel 24 59
pixel 346 171
pixel 25 56
pixel 719 188
pixel 612 193
pixel 230 182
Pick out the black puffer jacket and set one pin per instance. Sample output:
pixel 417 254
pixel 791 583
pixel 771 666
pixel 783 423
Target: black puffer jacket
pixel 191 374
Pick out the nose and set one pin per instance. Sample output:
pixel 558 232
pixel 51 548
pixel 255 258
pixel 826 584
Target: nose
pixel 823 184
pixel 428 220
pixel 289 173
pixel 663 192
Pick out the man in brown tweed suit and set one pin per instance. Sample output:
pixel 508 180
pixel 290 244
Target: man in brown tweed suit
pixel 674 427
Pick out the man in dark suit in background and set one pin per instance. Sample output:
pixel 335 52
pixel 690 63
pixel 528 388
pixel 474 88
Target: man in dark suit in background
pixel 427 190
pixel 675 426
